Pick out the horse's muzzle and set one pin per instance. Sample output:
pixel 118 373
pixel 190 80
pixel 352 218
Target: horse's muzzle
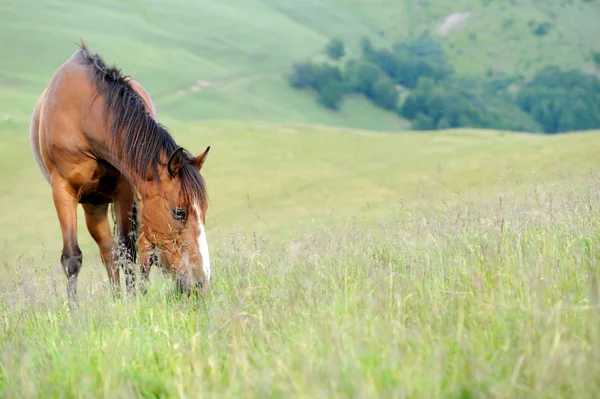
pixel 191 286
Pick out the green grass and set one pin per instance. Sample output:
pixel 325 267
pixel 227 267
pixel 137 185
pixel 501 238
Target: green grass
pixel 488 300
pixel 244 48
pixel 346 263
pixel 498 35
pixel 279 179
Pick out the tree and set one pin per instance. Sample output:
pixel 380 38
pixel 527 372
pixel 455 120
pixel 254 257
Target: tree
pixel 305 75
pixel 361 75
pixel 414 103
pixel 366 45
pixel 326 80
pixel 453 103
pixel 335 49
pixel 542 29
pixel 301 75
pixel 562 101
pixel 331 95
pixel 406 63
pixel 383 93
pixel 552 101
pixel 596 58
pixel 324 74
pixel 422 122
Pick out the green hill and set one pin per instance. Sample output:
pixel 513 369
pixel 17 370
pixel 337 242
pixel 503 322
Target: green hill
pixel 198 60
pixel 226 59
pixel 502 36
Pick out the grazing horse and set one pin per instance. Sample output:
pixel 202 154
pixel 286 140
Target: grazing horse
pixel 96 139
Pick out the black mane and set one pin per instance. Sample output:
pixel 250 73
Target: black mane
pixel 136 137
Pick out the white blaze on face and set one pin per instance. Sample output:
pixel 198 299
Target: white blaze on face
pixel 203 245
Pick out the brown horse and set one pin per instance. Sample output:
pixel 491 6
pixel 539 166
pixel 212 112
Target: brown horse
pixel 97 141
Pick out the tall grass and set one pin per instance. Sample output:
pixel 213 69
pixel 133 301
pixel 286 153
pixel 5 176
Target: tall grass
pixel 496 299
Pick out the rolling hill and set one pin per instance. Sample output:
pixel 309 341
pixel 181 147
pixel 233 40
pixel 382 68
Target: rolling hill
pixel 510 37
pixel 226 59
pixel 198 60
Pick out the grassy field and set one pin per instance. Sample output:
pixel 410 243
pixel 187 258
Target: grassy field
pixel 473 302
pixel 355 261
pixel 279 179
pixel 346 263
pixel 198 60
pixel 225 59
pixel 497 35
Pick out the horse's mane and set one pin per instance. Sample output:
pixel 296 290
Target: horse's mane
pixel 137 138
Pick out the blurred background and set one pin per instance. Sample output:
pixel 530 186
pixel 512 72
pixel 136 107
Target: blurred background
pixel 319 110
pixel 293 61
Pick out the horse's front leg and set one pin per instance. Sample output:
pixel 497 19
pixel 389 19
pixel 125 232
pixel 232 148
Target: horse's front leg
pixel 65 202
pixel 148 257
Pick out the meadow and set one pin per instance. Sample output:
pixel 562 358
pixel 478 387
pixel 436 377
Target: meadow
pixel 351 257
pixel 346 263
pixel 207 60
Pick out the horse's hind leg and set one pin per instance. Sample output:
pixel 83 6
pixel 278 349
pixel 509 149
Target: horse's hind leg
pixel 96 219
pixel 65 201
pixel 127 245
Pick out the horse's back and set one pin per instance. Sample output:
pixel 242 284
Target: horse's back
pixel 34 137
pixel 61 121
pixel 68 129
pixel 144 95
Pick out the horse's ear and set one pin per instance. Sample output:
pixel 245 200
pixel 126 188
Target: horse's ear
pixel 199 160
pixel 176 161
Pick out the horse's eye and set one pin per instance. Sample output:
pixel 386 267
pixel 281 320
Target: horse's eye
pixel 179 213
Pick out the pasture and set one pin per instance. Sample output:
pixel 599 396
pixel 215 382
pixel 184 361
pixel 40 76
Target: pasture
pixel 361 260
pixel 222 71
pixel 449 264
pixel 231 55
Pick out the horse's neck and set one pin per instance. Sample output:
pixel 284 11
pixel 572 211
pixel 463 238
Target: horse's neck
pixel 117 160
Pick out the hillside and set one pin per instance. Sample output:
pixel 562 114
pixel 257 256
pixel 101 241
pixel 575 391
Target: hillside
pixel 511 37
pixel 198 60
pixel 226 59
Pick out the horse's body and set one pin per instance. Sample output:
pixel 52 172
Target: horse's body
pixel 96 140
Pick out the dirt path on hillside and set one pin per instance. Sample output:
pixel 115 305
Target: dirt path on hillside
pixel 453 21
pixel 202 84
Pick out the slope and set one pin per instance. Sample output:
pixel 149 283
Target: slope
pixel 496 36
pixel 226 59
pixel 199 60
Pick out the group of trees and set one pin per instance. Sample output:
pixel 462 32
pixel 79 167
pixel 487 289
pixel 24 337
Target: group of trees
pixel 332 82
pixel 562 101
pixel 461 103
pixel 376 74
pixel 553 101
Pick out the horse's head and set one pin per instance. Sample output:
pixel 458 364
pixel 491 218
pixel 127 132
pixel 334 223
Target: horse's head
pixel 173 219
